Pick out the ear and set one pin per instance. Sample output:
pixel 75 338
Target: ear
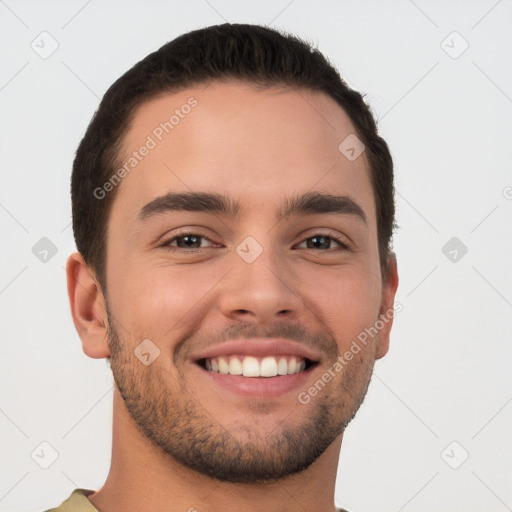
pixel 88 307
pixel 387 310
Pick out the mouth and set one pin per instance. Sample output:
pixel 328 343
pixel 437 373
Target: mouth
pixel 262 367
pixel 256 367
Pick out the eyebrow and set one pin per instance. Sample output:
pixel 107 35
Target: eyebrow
pixel 310 203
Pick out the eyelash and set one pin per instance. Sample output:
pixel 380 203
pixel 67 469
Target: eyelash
pixel 167 243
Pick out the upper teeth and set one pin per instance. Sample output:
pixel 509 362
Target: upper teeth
pixel 249 366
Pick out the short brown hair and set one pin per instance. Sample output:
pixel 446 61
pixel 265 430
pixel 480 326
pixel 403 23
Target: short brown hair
pixel 251 53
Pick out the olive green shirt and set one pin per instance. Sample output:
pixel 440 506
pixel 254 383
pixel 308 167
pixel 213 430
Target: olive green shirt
pixel 78 502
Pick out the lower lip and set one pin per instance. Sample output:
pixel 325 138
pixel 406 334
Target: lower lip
pixel 258 386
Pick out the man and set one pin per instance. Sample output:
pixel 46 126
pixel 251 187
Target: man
pixel 233 209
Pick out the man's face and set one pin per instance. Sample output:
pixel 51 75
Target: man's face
pixel 251 292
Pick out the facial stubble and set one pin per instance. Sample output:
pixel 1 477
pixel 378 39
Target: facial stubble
pixel 183 428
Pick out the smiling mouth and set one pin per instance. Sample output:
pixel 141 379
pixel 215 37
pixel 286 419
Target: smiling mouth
pixel 249 366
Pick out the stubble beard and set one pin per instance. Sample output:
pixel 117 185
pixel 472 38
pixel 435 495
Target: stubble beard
pixel 179 425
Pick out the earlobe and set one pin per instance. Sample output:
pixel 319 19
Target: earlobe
pixel 88 307
pixel 386 313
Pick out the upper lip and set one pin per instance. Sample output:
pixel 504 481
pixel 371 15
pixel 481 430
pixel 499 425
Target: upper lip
pixel 258 347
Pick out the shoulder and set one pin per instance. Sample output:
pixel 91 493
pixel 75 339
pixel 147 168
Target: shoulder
pixel 77 502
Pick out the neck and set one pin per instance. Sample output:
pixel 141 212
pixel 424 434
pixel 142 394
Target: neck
pixel 144 478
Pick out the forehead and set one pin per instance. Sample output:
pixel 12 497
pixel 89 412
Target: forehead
pixel 245 142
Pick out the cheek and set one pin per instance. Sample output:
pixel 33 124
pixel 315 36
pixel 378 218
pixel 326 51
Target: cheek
pixel 346 301
pixel 158 301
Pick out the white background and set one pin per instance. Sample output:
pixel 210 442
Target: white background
pixel 448 122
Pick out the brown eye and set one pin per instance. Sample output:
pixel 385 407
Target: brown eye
pixel 323 241
pixel 191 241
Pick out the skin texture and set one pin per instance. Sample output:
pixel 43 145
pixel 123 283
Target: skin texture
pixel 179 441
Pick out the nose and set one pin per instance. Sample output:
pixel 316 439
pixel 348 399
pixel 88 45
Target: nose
pixel 261 291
